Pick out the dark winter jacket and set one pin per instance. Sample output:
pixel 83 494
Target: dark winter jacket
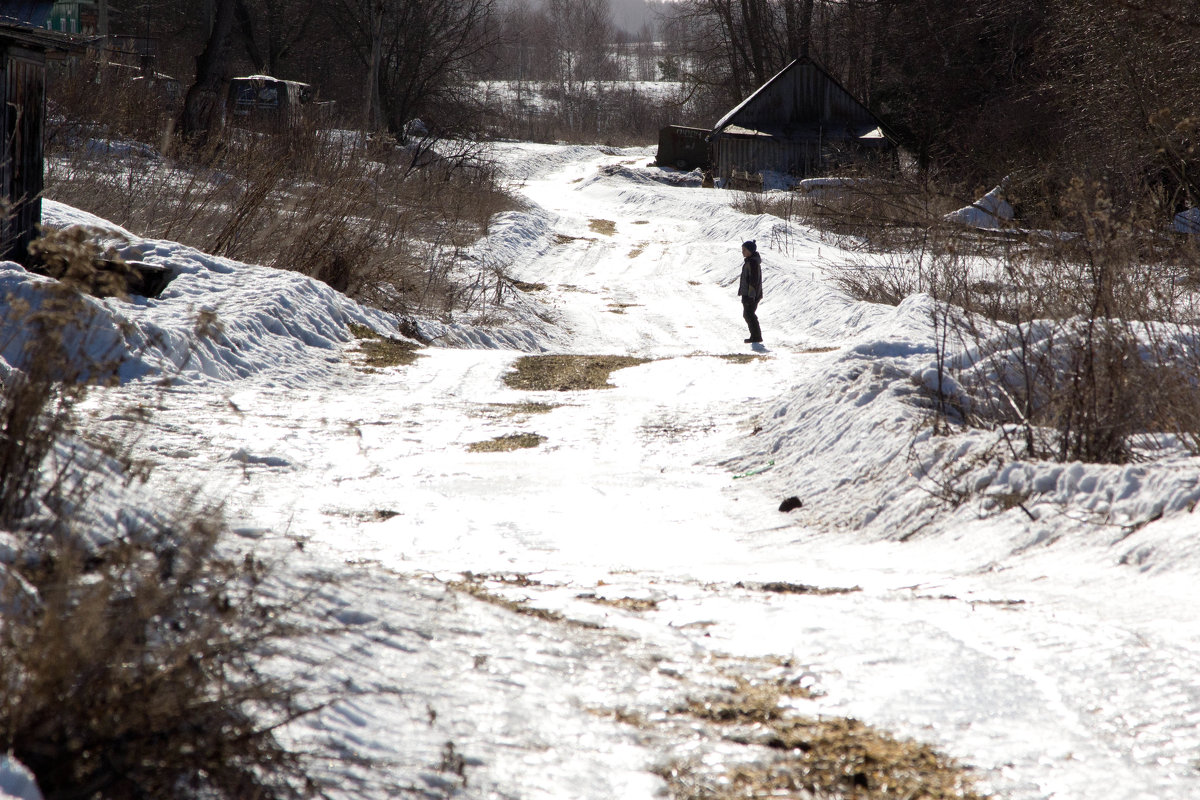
pixel 751 286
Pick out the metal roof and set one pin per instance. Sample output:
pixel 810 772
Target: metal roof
pixel 800 101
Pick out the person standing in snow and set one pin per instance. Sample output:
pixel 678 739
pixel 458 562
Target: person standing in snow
pixel 750 289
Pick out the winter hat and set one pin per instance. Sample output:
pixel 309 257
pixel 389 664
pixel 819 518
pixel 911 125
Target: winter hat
pixel 751 246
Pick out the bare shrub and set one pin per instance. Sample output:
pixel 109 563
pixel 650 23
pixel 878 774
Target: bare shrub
pixel 597 112
pixel 385 224
pixel 131 649
pixel 1097 350
pixel 93 102
pixel 134 674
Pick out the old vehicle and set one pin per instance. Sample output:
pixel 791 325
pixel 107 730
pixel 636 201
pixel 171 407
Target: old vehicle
pixel 263 102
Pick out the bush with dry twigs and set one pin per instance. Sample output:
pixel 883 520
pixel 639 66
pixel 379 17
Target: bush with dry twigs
pixel 1076 342
pixel 131 647
pixel 387 224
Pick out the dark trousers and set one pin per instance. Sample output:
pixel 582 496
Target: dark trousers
pixel 749 306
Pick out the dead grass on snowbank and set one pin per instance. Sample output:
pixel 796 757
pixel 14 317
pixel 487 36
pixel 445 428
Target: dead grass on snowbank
pixel 518 409
pixel 1048 338
pixel 379 352
pixel 132 648
pixel 384 224
pixel 476 585
pixel 834 757
pixel 785 587
pixel 567 373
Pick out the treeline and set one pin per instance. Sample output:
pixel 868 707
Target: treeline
pixel 1042 90
pixel 387 62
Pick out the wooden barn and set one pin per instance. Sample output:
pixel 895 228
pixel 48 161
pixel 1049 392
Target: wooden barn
pixel 683 148
pixel 799 123
pixel 24 46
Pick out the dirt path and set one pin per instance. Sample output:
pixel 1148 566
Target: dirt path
pixel 521 623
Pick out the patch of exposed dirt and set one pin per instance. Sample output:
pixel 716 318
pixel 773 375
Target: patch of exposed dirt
pixel 566 373
pixel 624 603
pixel 789 755
pixel 502 410
pixel 380 351
pixel 507 443
pixel 783 587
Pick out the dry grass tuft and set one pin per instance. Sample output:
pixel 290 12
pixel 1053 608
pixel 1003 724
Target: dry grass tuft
pixel 783 587
pixel 474 586
pixel 380 351
pixel 836 757
pixel 567 373
pixel 508 443
pixel 746 702
pixel 518 409
pixel 526 286
pixel 604 227
pixel 638 604
pixel 135 673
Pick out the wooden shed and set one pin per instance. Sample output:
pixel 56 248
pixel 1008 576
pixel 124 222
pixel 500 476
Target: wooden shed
pixel 798 123
pixel 24 46
pixel 683 148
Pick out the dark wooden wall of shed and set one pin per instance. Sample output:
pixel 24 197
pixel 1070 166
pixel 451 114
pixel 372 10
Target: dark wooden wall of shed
pixel 796 157
pixel 805 95
pixel 24 102
pixel 683 148
pixel 799 157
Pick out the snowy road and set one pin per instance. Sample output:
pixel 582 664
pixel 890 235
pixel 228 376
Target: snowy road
pixel 1054 672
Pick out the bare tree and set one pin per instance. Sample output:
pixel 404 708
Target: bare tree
pixel 202 104
pixel 415 52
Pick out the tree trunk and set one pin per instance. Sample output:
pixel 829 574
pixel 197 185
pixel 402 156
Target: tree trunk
pixel 203 104
pixel 371 120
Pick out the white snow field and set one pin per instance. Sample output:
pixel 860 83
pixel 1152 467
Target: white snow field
pixel 1053 647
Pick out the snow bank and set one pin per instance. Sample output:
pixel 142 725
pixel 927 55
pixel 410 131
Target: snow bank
pixel 1187 221
pixel 273 323
pixel 855 442
pixel 989 212
pixel 16 781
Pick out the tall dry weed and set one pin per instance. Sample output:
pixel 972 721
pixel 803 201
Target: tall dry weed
pixel 1096 352
pixel 1079 343
pixel 384 223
